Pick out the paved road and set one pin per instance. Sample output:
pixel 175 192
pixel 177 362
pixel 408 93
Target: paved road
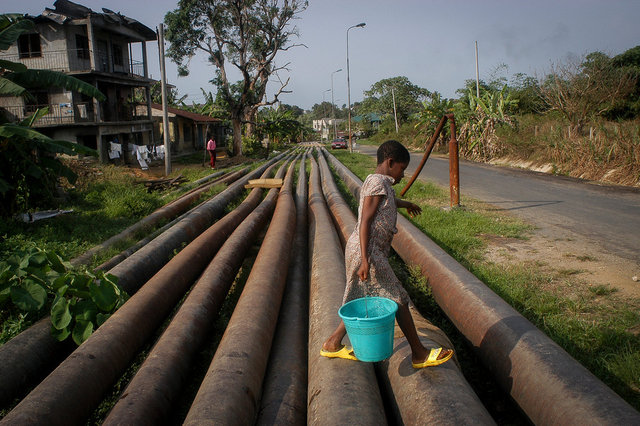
pixel 606 215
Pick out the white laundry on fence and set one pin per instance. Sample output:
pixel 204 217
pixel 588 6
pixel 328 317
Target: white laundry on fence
pixel 158 152
pixel 115 150
pixel 142 154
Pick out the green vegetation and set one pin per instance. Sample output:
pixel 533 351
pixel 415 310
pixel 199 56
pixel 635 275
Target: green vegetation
pixel 104 201
pixel 78 301
pixel 592 324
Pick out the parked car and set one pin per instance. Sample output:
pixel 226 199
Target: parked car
pixel 339 143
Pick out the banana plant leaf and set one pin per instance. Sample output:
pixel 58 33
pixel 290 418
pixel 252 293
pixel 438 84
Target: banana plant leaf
pixel 30 120
pixel 32 79
pixel 9 88
pixel 65 147
pixel 12 66
pixel 12 29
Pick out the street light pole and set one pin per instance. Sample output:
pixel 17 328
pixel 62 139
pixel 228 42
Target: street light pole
pixel 324 114
pixel 360 25
pixel 333 111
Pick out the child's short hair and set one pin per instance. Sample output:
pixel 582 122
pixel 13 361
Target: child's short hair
pixel 394 150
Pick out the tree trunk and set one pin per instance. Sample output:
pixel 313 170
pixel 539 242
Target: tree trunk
pixel 237 136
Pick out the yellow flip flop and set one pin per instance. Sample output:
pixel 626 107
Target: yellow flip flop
pixel 344 353
pixel 432 359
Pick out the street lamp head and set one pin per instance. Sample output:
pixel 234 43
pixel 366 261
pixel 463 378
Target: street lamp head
pixel 360 25
pixel 338 70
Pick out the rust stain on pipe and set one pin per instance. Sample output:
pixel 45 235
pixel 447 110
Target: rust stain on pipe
pixel 547 383
pixel 284 398
pixel 231 389
pixel 338 389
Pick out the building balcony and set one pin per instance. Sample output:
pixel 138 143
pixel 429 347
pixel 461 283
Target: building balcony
pixel 78 113
pixel 77 61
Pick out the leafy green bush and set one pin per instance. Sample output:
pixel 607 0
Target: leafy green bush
pixel 79 301
pixel 252 147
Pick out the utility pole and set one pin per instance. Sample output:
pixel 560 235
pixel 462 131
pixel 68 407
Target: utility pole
pixel 165 112
pixel 477 74
pixel 395 114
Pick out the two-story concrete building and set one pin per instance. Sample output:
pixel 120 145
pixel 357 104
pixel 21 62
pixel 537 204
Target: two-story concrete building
pixel 95 47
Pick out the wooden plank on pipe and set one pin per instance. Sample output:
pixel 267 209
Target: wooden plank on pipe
pixel 264 183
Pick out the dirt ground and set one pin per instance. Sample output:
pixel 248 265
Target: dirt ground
pixel 568 257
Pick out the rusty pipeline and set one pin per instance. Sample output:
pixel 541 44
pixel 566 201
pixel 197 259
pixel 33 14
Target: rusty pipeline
pixel 230 392
pixel 284 395
pixel 138 268
pixel 150 394
pixel 66 396
pixel 547 383
pixel 453 401
pixel 33 354
pixel 338 388
pixel 167 211
pixel 340 212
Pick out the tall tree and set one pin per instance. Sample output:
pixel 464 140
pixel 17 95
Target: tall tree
pixel 248 34
pixel 407 95
pixel 583 90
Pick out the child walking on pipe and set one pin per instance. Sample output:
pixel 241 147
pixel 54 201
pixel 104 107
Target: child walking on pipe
pixel 367 252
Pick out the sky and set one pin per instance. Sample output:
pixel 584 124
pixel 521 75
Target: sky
pixel 431 42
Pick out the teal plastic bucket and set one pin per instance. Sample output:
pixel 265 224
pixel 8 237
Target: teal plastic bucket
pixel 369 322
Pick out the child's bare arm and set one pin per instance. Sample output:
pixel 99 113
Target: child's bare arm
pixel 369 207
pixel 412 209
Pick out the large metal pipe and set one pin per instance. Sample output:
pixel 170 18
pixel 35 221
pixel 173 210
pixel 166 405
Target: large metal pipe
pixel 230 392
pixel 66 396
pixel 339 390
pixel 284 395
pixel 342 215
pixel 547 383
pixel 138 268
pixel 451 399
pixel 167 211
pixel 150 394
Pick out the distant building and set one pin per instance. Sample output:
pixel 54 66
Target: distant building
pixel 188 131
pixel 325 127
pixel 96 48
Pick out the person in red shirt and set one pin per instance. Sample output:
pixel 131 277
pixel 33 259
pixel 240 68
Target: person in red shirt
pixel 211 147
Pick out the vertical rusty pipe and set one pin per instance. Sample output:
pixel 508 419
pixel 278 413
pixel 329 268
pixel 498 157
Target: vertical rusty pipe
pixel 339 390
pixel 284 397
pixel 453 401
pixel 427 152
pixel 454 165
pixel 67 396
pixel 231 389
pixel 547 383
pixel 150 394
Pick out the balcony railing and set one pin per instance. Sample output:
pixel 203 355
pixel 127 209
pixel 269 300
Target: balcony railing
pixel 77 60
pixel 67 113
